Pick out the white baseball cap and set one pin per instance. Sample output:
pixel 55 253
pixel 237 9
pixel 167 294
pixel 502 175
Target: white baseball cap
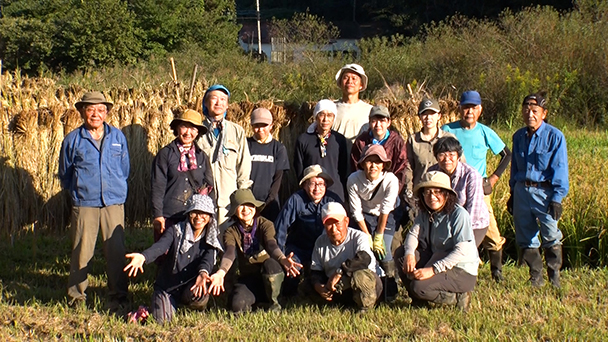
pixel 333 210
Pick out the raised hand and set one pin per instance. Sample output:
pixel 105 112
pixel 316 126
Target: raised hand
pixel 217 283
pixel 199 288
pixel 137 263
pixel 292 268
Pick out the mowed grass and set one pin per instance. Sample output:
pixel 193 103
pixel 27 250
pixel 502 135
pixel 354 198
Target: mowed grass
pixel 34 271
pixel 33 307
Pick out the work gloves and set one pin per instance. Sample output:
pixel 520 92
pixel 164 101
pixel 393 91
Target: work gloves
pixel 555 210
pixel 378 246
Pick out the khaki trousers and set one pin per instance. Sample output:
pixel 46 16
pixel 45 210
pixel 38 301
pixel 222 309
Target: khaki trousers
pixel 86 222
pixel 493 241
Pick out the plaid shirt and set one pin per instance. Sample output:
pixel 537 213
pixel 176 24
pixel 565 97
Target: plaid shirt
pixel 467 183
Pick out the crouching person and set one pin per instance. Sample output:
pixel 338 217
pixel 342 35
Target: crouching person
pixel 343 267
pixel 191 247
pixel 260 263
pixel 300 222
pixel 373 195
pixel 438 261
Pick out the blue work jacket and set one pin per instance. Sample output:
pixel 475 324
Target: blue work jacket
pixel 95 177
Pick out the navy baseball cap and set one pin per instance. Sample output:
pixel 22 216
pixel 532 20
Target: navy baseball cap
pixel 539 99
pixel 470 97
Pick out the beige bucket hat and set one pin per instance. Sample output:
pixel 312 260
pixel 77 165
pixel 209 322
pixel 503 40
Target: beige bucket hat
pixel 435 179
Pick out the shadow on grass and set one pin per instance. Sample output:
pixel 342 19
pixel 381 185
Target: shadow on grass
pixel 36 268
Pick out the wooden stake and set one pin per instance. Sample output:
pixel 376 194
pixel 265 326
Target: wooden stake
pixel 192 82
pixel 0 82
pixel 179 100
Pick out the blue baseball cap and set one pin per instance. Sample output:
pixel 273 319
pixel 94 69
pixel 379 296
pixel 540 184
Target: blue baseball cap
pixel 470 97
pixel 210 89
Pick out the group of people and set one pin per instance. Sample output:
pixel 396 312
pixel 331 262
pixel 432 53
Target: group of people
pixel 215 195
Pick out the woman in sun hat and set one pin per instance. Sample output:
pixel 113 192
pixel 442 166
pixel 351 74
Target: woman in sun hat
pixel 179 170
pixel 373 193
pixel 250 238
pixel 191 247
pixel 438 261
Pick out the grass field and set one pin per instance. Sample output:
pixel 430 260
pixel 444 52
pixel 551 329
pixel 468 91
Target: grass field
pixel 33 278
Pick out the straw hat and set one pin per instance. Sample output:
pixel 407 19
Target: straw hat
pixel 190 116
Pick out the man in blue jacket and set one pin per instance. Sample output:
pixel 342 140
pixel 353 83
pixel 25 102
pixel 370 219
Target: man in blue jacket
pixel 93 168
pixel 539 182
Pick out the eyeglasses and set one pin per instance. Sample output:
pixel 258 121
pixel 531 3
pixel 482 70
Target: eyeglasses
pixel 434 192
pixel 199 214
pixel 446 155
pixel 320 185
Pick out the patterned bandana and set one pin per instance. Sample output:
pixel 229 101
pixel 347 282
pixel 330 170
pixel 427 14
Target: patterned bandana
pixel 323 145
pixel 217 127
pixel 191 158
pixel 250 242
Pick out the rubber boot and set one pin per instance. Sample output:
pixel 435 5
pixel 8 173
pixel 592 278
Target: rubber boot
pixel 496 265
pixel 463 301
pixel 534 261
pixel 446 298
pixel 553 258
pixel 391 290
pixel 272 285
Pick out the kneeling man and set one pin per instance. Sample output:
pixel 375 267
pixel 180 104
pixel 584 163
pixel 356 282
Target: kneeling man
pixel 343 267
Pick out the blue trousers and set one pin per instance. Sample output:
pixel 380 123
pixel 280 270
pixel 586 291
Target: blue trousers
pixel 531 217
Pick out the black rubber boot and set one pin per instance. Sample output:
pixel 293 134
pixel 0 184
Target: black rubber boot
pixel 532 257
pixel 391 290
pixel 272 285
pixel 553 258
pixel 496 265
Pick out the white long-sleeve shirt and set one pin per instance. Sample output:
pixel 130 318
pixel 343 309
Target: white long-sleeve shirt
pixel 360 193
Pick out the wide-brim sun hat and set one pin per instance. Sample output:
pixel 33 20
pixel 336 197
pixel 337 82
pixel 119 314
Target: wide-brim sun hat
pixel 434 179
pixel 243 196
pixel 202 203
pixel 316 170
pixel 356 68
pixel 206 204
pixel 93 97
pixel 375 150
pixel 190 116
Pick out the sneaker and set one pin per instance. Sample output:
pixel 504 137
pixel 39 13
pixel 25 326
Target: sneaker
pixel 463 301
